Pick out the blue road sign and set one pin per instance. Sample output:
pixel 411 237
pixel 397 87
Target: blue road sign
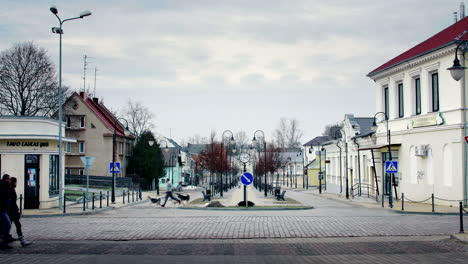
pixel 114 167
pixel 391 166
pixel 247 178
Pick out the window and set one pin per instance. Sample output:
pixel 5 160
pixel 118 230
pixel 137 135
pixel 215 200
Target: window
pixel 68 147
pixel 68 122
pixel 68 171
pixel 81 171
pixel 386 103
pixel 121 144
pixel 401 107
pixel 81 147
pixel 82 122
pixel 435 92
pixel 417 95
pixel 53 175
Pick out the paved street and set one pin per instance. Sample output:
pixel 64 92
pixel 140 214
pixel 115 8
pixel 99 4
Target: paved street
pixel 331 232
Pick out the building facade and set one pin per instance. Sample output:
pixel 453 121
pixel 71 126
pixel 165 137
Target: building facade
pixel 28 151
pixel 426 115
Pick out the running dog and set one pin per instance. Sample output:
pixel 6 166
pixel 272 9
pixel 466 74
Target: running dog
pixel 184 198
pixel 155 200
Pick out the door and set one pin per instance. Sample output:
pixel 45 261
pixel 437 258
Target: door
pixel 31 182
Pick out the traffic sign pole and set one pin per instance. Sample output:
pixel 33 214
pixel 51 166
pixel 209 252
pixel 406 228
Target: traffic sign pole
pixel 245 190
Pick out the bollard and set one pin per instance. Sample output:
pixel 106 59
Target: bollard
pixel 432 197
pixel 133 196
pixel 402 201
pixel 461 217
pixel 64 203
pixel 107 196
pixel 21 203
pixel 92 207
pixel 368 191
pixel 128 196
pixel 100 199
pixel 123 196
pixel 84 202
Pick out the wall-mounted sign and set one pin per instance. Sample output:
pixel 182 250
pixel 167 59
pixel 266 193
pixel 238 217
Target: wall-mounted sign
pixel 428 120
pixel 27 144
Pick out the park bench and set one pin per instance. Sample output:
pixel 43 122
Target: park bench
pixel 206 196
pixel 280 197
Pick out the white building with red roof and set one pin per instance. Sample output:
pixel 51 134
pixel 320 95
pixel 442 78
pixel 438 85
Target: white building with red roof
pixel 95 128
pixel 425 110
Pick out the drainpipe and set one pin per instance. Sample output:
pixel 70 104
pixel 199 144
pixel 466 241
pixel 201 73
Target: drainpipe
pixel 359 165
pixel 341 176
pixel 465 145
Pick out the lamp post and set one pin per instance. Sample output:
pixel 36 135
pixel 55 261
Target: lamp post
pixel 346 164
pixel 384 181
pixel 265 158
pixel 126 133
pixel 458 72
pixel 59 30
pixel 150 143
pixel 165 149
pixel 341 170
pixel 222 160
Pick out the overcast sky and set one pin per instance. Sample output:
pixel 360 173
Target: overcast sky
pixel 230 64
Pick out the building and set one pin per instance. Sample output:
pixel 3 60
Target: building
pixel 426 119
pixel 292 169
pixel 99 134
pixel 314 159
pixel 28 151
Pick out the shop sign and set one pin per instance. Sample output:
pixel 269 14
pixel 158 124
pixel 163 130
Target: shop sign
pixel 430 120
pixel 27 144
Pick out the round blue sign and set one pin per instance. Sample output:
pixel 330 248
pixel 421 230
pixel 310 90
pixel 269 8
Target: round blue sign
pixel 247 178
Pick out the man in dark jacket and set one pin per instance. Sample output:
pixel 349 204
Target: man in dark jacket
pixel 4 206
pixel 14 213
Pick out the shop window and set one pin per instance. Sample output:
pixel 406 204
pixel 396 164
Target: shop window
pixel 81 145
pixel 53 175
pixel 82 122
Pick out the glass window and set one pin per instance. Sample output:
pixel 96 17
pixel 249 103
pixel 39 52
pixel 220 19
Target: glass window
pixel 435 92
pixel 81 172
pixel 68 122
pixel 386 103
pixel 68 147
pixel 401 109
pixel 417 94
pixel 82 121
pixel 68 171
pixel 81 147
pixel 53 175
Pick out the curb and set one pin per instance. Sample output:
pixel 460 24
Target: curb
pixel 245 209
pixel 459 237
pixel 85 212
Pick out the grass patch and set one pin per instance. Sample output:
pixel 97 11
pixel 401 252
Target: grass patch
pixel 288 201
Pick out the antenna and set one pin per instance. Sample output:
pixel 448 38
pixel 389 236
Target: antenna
pixel 85 64
pixel 95 74
pixel 455 17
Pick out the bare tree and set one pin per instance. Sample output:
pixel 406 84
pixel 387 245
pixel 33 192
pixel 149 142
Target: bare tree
pixel 139 118
pixel 197 139
pixel 333 130
pixel 279 135
pixel 287 134
pixel 28 81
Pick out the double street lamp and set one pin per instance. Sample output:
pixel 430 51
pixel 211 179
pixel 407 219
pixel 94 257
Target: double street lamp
pixel 222 158
pixel 265 158
pixel 59 30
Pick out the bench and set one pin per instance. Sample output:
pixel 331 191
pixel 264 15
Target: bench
pixel 280 197
pixel 206 196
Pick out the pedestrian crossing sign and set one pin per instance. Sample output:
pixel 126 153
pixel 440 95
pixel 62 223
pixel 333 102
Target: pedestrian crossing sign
pixel 114 167
pixel 391 166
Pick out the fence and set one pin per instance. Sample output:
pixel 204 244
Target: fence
pixel 98 180
pixel 93 198
pixel 364 189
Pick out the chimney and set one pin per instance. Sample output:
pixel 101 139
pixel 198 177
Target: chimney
pixel 83 95
pixel 462 10
pixel 96 100
pixel 455 17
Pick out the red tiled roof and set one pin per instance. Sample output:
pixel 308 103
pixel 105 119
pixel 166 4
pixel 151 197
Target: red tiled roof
pixel 439 40
pixel 104 115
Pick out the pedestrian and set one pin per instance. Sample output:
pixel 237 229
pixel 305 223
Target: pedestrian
pixel 14 213
pixel 5 223
pixel 179 187
pixel 169 194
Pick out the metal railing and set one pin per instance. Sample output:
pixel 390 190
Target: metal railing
pixel 364 190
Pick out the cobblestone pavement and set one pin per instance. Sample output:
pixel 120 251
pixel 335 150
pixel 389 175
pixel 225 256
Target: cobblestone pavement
pixel 328 219
pixel 322 250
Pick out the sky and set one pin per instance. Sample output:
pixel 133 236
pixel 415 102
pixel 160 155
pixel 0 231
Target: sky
pixel 203 65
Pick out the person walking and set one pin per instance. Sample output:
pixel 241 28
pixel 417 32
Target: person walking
pixel 169 194
pixel 5 223
pixel 14 213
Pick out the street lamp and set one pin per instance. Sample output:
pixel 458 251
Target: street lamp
pixel 458 72
pixel 265 158
pixel 126 133
pixel 346 163
pixel 222 160
pixel 59 30
pixel 341 170
pixel 392 181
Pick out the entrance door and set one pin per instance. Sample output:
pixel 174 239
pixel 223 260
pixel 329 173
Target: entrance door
pixel 31 182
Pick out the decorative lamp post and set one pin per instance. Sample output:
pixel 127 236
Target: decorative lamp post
pixel 59 30
pixel 222 160
pixel 458 72
pixel 265 158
